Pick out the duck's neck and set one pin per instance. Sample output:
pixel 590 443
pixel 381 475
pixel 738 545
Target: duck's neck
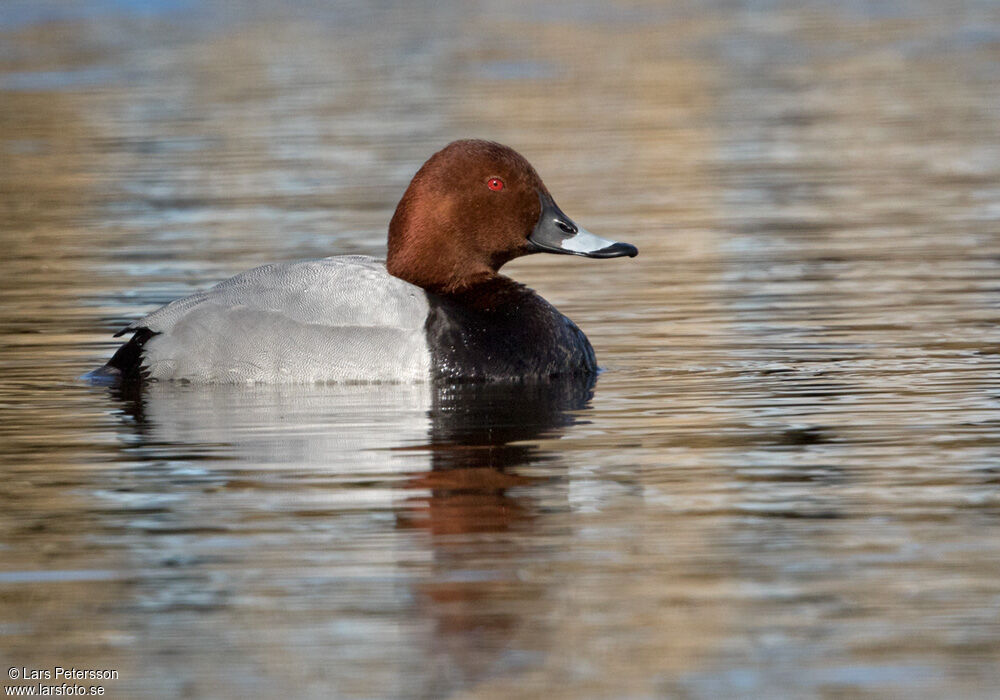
pixel 425 251
pixel 453 277
pixel 445 274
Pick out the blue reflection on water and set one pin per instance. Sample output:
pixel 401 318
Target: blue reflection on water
pixel 22 13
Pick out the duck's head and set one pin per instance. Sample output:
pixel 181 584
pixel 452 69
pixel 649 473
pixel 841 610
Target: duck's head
pixel 472 207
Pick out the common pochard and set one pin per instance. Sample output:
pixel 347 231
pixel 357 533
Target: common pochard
pixel 436 309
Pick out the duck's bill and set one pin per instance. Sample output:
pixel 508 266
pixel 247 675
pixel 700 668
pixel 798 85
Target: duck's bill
pixel 556 233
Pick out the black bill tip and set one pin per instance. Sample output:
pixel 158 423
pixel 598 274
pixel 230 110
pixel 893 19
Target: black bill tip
pixel 615 250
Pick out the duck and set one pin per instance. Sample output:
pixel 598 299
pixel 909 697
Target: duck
pixel 436 309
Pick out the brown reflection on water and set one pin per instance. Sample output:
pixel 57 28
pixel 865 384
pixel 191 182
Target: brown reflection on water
pixel 480 514
pixel 785 483
pixel 57 584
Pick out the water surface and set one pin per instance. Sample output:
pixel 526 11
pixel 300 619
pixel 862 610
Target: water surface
pixel 786 482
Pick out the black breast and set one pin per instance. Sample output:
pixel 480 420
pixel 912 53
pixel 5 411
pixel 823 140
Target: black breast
pixel 502 331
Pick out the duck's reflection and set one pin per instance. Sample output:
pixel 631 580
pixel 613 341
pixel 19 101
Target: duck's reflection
pixel 469 429
pixel 479 509
pixel 466 480
pixel 479 434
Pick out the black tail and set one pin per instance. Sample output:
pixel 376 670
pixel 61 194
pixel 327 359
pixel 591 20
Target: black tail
pixel 126 364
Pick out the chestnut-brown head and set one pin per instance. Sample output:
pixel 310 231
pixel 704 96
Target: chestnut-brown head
pixel 472 207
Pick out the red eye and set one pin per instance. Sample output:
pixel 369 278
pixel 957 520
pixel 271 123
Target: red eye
pixel 495 184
